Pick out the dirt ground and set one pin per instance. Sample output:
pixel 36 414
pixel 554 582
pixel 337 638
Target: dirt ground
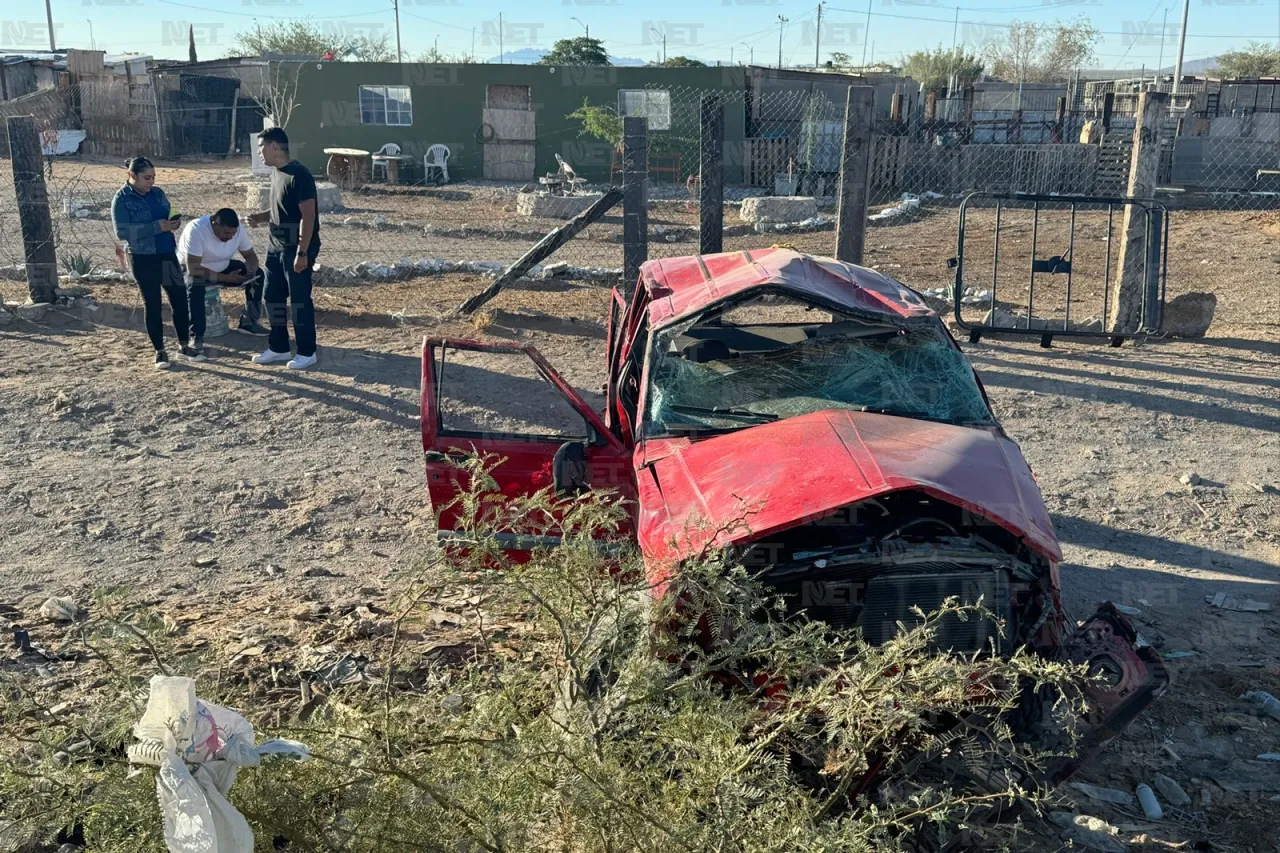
pixel 243 493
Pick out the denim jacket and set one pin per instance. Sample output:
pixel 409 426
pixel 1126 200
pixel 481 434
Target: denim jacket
pixel 131 216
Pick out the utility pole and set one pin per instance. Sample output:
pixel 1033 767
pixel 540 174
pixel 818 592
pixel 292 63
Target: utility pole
pixel 396 5
pixel 1182 46
pixel 752 54
pixel 502 54
pixel 48 13
pixel 664 42
pixel 1164 27
pixel 473 44
pixel 782 22
pixel 866 35
pixel 585 28
pixel 817 37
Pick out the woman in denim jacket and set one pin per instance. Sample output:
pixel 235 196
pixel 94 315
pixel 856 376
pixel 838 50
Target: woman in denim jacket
pixel 143 219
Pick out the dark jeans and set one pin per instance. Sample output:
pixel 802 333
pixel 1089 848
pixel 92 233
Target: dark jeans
pixel 161 273
pixel 252 293
pixel 252 298
pixel 284 286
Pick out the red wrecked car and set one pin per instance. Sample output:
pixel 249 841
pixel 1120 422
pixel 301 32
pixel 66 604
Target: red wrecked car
pixel 817 418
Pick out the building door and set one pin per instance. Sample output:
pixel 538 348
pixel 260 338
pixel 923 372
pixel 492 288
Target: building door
pixel 508 133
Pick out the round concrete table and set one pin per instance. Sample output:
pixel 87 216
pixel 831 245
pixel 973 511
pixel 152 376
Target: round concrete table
pixel 346 166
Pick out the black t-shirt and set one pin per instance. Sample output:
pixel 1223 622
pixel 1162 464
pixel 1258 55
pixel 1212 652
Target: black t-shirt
pixel 291 184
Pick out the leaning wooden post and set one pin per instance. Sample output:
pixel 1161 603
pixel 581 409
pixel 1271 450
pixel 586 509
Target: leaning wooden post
pixel 711 177
pixel 1144 166
pixel 33 209
pixel 543 249
pixel 635 198
pixel 855 174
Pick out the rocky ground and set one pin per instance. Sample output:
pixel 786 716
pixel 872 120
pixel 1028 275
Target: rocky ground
pixel 234 495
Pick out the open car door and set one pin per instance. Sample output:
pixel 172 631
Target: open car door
pixel 505 400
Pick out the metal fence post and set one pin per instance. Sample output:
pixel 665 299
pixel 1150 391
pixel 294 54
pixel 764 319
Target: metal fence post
pixel 1144 166
pixel 855 174
pixel 711 177
pixel 635 198
pixel 33 209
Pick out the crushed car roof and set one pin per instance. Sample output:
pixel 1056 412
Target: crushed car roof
pixel 681 286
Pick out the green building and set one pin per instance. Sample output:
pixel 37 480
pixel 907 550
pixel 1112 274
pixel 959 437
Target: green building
pixel 507 122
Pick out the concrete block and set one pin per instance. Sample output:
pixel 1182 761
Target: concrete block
pixel 258 196
pixel 789 208
pixel 554 206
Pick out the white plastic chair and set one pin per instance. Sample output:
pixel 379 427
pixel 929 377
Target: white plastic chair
pixel 390 148
pixel 437 157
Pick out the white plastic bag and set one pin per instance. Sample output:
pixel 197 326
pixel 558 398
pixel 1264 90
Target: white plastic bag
pixel 198 748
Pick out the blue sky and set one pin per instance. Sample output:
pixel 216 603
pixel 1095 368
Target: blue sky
pixel 711 30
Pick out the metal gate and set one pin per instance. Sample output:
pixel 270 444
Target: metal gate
pixel 1090 251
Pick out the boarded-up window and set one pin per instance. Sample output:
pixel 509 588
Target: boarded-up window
pixel 508 98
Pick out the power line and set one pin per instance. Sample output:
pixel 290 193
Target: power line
pixel 274 17
pixel 1007 25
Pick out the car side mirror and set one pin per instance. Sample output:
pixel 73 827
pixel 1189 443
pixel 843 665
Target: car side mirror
pixel 594 439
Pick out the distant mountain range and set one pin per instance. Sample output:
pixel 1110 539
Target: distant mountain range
pixel 531 55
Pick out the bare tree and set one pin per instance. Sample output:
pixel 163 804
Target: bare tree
pixel 1041 53
pixel 278 91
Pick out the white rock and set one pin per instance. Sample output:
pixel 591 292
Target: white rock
pixel 59 609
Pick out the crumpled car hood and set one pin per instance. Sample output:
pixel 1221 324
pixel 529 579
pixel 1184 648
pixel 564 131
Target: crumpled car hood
pixel 743 485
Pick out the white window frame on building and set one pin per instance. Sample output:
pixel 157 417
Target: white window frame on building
pixel 400 96
pixel 653 104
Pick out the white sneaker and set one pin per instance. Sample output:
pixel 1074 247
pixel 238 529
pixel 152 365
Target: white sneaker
pixel 270 356
pixel 301 362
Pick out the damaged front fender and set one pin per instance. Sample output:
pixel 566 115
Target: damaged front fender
pixel 1126 675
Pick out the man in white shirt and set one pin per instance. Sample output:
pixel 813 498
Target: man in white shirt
pixel 206 250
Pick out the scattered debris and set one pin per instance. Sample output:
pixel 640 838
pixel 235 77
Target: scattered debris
pixel 1105 795
pixel 59 609
pixel 1269 756
pixel 318 572
pixel 908 204
pixel 1190 479
pixel 1243 605
pixel 1265 702
pixel 333 668
pixel 1127 610
pixel 1171 790
pixel 1176 655
pixel 204 562
pixel 1150 805
pixel 198 748
pixel 1089 832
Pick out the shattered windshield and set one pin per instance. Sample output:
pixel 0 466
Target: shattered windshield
pixel 716 376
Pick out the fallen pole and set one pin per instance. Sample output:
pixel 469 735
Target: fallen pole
pixel 543 249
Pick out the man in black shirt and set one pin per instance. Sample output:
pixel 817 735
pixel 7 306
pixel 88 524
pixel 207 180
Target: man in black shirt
pixel 291 256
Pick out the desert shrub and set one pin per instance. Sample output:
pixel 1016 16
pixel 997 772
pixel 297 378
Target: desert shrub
pixel 585 717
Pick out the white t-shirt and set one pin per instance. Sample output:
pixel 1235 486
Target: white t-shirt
pixel 198 239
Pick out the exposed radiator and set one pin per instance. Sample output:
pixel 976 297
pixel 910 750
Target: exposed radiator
pixel 878 604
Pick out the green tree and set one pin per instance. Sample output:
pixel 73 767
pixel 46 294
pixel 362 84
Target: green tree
pixel 934 67
pixel 602 122
pixel 191 43
pixel 1258 59
pixel 680 62
pixel 576 51
pixel 305 38
pixel 1041 53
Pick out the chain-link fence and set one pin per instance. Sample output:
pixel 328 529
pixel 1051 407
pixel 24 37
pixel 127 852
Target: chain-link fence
pixel 923 161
